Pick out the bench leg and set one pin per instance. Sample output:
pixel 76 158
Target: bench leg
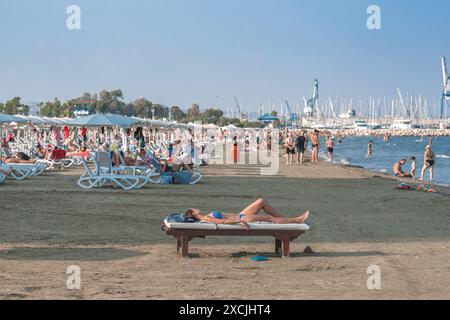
pixel 277 246
pixel 178 244
pixel 184 246
pixel 286 247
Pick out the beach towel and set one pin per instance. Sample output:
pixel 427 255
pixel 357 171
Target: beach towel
pixel 179 218
pixel 259 258
pixel 420 188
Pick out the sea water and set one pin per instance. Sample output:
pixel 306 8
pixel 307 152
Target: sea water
pixel 353 151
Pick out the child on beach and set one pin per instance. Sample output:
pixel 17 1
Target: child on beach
pixel 413 167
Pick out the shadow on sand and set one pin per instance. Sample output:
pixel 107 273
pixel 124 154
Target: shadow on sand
pixel 65 254
pixel 245 254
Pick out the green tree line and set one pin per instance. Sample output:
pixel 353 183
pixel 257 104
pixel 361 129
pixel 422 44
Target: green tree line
pixel 14 106
pixel 113 102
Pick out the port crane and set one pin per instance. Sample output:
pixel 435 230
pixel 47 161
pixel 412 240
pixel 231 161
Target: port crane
pixel 238 109
pixel 292 116
pixel 445 100
pixel 312 104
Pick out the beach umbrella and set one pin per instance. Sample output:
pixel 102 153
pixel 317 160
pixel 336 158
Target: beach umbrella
pixel 210 126
pixel 104 120
pixel 231 127
pixel 53 121
pixel 7 118
pixel 158 123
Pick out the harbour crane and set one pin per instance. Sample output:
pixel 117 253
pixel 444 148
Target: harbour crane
pixel 292 116
pixel 238 109
pixel 446 91
pixel 312 104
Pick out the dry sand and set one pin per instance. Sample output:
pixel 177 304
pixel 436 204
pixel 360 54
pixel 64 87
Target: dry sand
pixel 358 219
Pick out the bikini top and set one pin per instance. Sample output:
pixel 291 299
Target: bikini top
pixel 216 214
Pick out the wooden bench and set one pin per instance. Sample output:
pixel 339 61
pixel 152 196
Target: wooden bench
pixel 283 238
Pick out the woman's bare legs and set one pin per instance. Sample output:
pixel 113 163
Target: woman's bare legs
pixel 422 174
pixel 19 161
pixel 254 218
pixel 261 204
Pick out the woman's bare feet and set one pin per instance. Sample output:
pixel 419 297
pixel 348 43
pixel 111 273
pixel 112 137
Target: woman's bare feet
pixel 304 217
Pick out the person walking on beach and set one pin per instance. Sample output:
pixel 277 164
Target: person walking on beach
pixel 290 149
pixel 300 146
pixel 315 146
pixel 330 148
pixel 429 162
pixel 369 150
pixel 413 167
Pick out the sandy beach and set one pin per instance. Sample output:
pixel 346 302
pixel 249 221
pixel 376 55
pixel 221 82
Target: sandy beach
pixel 358 219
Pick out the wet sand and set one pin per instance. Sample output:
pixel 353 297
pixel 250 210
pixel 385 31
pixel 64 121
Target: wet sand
pixel 358 219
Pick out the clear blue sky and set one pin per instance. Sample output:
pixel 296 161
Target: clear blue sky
pixel 177 52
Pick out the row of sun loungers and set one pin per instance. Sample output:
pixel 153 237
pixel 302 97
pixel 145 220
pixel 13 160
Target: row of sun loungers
pixel 129 177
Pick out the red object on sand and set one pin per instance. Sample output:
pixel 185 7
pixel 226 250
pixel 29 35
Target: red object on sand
pixel 235 153
pixel 58 154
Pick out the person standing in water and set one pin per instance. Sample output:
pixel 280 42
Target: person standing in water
pixel 315 142
pixel 369 150
pixel 300 146
pixel 429 162
pixel 330 148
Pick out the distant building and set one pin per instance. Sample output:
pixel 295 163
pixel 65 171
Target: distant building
pixel 83 108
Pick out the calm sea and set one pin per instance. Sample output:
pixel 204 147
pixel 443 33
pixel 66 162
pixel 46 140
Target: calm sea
pixel 354 149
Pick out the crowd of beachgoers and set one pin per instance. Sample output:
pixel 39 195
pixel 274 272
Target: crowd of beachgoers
pixel 391 132
pixel 153 148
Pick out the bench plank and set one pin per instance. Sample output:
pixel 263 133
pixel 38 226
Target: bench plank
pixel 282 237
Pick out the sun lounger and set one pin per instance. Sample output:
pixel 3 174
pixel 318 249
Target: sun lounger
pixel 284 234
pixel 22 171
pixel 2 178
pixel 98 178
pixel 57 158
pixel 131 169
pixel 180 177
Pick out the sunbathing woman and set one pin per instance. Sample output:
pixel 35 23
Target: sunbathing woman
pixel 81 152
pixel 248 215
pixel 19 158
pixel 41 152
pixel 134 161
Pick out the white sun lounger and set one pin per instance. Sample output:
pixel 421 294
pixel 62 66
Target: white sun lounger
pixel 23 171
pixel 283 233
pixel 98 178
pixel 2 178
